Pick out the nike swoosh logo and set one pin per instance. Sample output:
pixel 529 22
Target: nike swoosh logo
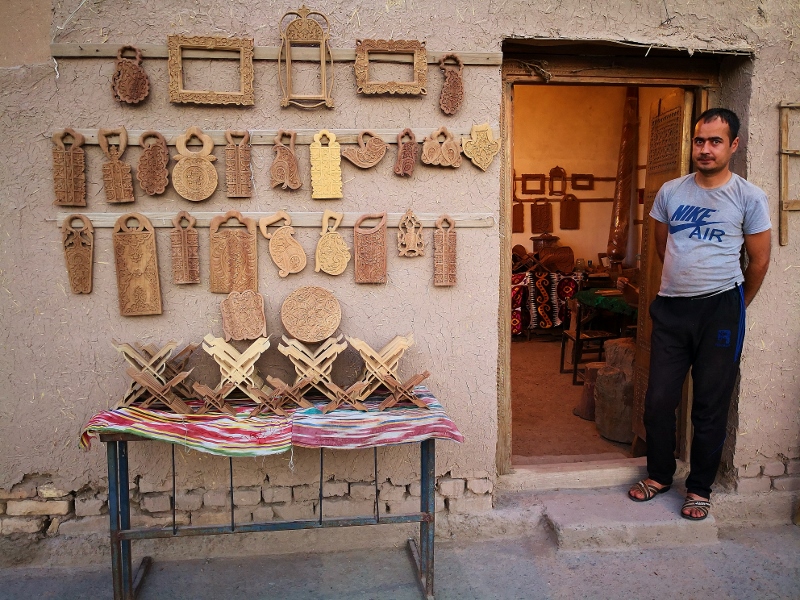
pixel 682 226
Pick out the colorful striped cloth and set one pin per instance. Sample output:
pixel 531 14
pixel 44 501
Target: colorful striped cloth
pixel 220 434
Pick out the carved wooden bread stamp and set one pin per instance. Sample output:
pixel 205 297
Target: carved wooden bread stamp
pixel 406 153
pixel 445 154
pixel 116 174
pixel 152 171
pixel 185 250
pixel 284 171
pixel 409 236
pixel 238 176
pixel 311 314
pixel 370 249
pixel 129 82
pixel 541 217
pixel 194 177
pixel 369 153
pixel 69 169
pixel 453 88
pixel 136 260
pixel 444 252
pixel 284 250
pixel 332 253
pixel 78 253
pixel 234 254
pixel 326 170
pixel 481 146
pixel 570 217
pixel 243 316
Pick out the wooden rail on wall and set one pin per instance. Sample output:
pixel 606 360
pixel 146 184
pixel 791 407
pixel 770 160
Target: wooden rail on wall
pixel 299 219
pixel 74 50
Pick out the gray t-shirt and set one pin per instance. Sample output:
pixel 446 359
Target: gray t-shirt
pixel 706 233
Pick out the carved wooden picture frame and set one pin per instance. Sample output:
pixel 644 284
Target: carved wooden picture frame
pixel 558 181
pixel 528 178
pixel 304 31
pixel 582 181
pixel 176 44
pixel 414 47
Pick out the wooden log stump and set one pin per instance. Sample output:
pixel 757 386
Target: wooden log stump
pixel 585 409
pixel 613 394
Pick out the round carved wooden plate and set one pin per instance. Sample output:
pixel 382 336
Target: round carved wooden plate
pixel 311 314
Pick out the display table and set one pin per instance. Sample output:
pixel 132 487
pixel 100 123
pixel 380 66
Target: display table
pixel 244 436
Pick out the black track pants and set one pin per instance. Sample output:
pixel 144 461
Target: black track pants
pixel 705 334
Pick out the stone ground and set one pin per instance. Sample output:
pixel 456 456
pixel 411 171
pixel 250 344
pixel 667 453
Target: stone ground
pixel 747 563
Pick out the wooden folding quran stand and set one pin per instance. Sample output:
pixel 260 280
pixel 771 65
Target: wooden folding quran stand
pixel 161 392
pixel 348 396
pixel 377 365
pixel 314 365
pixel 282 394
pixel 403 391
pixel 237 368
pixel 150 360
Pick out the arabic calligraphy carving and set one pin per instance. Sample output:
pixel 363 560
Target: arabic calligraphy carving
pixel 444 252
pixel 116 174
pixel 185 250
pixel 69 176
pixel 237 165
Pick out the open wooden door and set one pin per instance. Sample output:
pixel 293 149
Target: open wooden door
pixel 668 156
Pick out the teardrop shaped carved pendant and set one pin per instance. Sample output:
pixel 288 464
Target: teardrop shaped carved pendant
pixel 409 236
pixel 444 252
pixel 284 171
pixel 332 253
pixel 136 260
pixel 234 254
pixel 129 82
pixel 453 88
pixel 117 179
pixel 406 153
pixel 444 154
pixel 369 153
pixel 370 249
pixel 69 169
pixel 152 171
pixel 185 250
pixel 237 165
pixel 243 316
pixel 326 170
pixel 481 146
pixel 286 253
pixel 194 177
pixel 78 253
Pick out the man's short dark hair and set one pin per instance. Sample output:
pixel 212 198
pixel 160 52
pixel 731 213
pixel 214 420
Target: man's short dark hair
pixel 723 114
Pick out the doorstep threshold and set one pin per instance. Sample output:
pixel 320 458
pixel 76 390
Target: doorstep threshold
pixel 574 475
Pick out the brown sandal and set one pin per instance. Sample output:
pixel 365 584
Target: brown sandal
pixel 702 505
pixel 649 491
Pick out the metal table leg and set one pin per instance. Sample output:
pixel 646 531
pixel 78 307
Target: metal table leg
pixel 423 559
pixel 113 513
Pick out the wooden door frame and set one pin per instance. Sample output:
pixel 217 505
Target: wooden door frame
pixel 570 70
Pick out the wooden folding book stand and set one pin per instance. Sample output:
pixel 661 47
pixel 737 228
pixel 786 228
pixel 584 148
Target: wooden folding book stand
pixel 313 365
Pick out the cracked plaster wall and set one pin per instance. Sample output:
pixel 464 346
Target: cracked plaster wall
pixel 58 367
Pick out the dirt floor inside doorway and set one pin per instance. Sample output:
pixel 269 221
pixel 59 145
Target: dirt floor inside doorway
pixel 543 428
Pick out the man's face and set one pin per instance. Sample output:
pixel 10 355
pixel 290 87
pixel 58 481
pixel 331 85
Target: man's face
pixel 711 146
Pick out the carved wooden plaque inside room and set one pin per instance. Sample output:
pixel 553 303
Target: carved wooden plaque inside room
pixel 185 250
pixel 129 82
pixel 194 177
pixel 152 171
pixel 481 147
pixel 541 217
pixel 243 316
pixel 409 236
pixel 453 87
pixel 446 153
pixel 284 250
pixel 518 218
pixel 369 153
pixel 284 171
pixel 570 217
pixel 406 153
pixel 117 180
pixel 234 254
pixel 326 170
pixel 136 260
pixel 444 252
pixel 558 181
pixel 69 169
pixel 370 249
pixel 311 314
pixel 238 176
pixel 78 252
pixel 332 253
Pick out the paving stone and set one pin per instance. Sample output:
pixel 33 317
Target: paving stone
pixel 775 468
pixel 452 488
pixel 389 492
pixel 470 504
pixel 36 507
pixel 247 496
pixel 84 526
pixel 156 503
pixel 481 486
pixel 189 500
pixel 786 484
pixel 48 491
pixel 294 511
pixel 273 494
pixel 753 485
pixel 11 525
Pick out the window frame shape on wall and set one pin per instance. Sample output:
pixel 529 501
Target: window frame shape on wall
pixel 411 47
pixel 176 44
pixel 305 32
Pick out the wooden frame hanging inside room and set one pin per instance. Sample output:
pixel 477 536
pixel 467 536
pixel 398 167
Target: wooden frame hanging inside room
pixel 176 44
pixel 375 47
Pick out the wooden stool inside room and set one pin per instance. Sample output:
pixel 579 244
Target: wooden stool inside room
pixel 584 341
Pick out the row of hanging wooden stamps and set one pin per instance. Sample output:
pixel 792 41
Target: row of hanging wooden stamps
pixel 195 178
pixel 233 253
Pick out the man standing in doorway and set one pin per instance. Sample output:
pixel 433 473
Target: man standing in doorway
pixel 701 222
